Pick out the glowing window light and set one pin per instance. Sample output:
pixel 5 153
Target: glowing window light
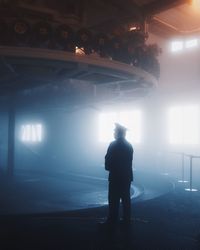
pixel 79 51
pixel 191 43
pixel 133 28
pixel 31 133
pixel 196 3
pixel 184 125
pixel 106 126
pixel 177 46
pixel 131 120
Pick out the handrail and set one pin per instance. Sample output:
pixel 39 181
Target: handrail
pixel 191 189
pixel 183 166
pixel 191 157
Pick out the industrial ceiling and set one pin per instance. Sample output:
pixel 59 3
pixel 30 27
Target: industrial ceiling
pixel 165 18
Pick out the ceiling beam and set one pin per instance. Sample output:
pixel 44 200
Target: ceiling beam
pixel 127 11
pixel 158 6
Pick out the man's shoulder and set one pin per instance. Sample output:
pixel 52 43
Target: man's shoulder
pixel 113 143
pixel 129 145
pixel 119 142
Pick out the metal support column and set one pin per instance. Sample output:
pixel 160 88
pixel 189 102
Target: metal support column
pixel 190 172
pixel 191 189
pixel 11 136
pixel 183 168
pixel 164 161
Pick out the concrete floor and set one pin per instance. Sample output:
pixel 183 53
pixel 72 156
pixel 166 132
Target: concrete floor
pixel 29 193
pixel 164 216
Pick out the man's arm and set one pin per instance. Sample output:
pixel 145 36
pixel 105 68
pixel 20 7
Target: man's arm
pixel 108 158
pixel 132 151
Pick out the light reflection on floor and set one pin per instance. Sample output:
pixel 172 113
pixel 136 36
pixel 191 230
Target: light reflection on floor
pixel 33 193
pixel 95 199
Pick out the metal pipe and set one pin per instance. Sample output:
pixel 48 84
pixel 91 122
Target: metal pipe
pixel 190 173
pixel 11 136
pixel 183 170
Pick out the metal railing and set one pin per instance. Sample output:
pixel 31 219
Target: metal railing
pixel 191 157
pixel 183 180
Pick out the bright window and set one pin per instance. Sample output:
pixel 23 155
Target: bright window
pixel 191 43
pixel 130 119
pixel 106 126
pixel 31 133
pixel 177 46
pixel 196 3
pixel 180 45
pixel 184 125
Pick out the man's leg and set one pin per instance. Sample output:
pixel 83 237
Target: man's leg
pixel 114 200
pixel 126 202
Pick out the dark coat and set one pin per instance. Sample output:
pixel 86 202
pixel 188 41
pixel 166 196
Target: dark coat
pixel 118 161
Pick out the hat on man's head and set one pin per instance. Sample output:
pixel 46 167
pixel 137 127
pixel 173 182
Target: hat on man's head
pixel 120 128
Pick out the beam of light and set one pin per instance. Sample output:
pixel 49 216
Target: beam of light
pixel 191 125
pixel 106 126
pixel 184 125
pixel 176 46
pixel 196 3
pixel 23 133
pixel 39 132
pixel 31 133
pixel 130 119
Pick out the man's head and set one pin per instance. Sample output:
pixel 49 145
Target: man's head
pixel 120 131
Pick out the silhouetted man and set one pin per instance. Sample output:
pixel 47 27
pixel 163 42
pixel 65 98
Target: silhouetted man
pixel 118 161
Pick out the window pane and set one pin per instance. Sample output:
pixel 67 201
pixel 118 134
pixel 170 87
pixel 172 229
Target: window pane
pixel 130 119
pixel 191 125
pixel 177 46
pixel 106 126
pixel 31 133
pixel 184 125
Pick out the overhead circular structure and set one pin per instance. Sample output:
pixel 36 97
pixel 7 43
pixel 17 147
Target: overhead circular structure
pixel 25 68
